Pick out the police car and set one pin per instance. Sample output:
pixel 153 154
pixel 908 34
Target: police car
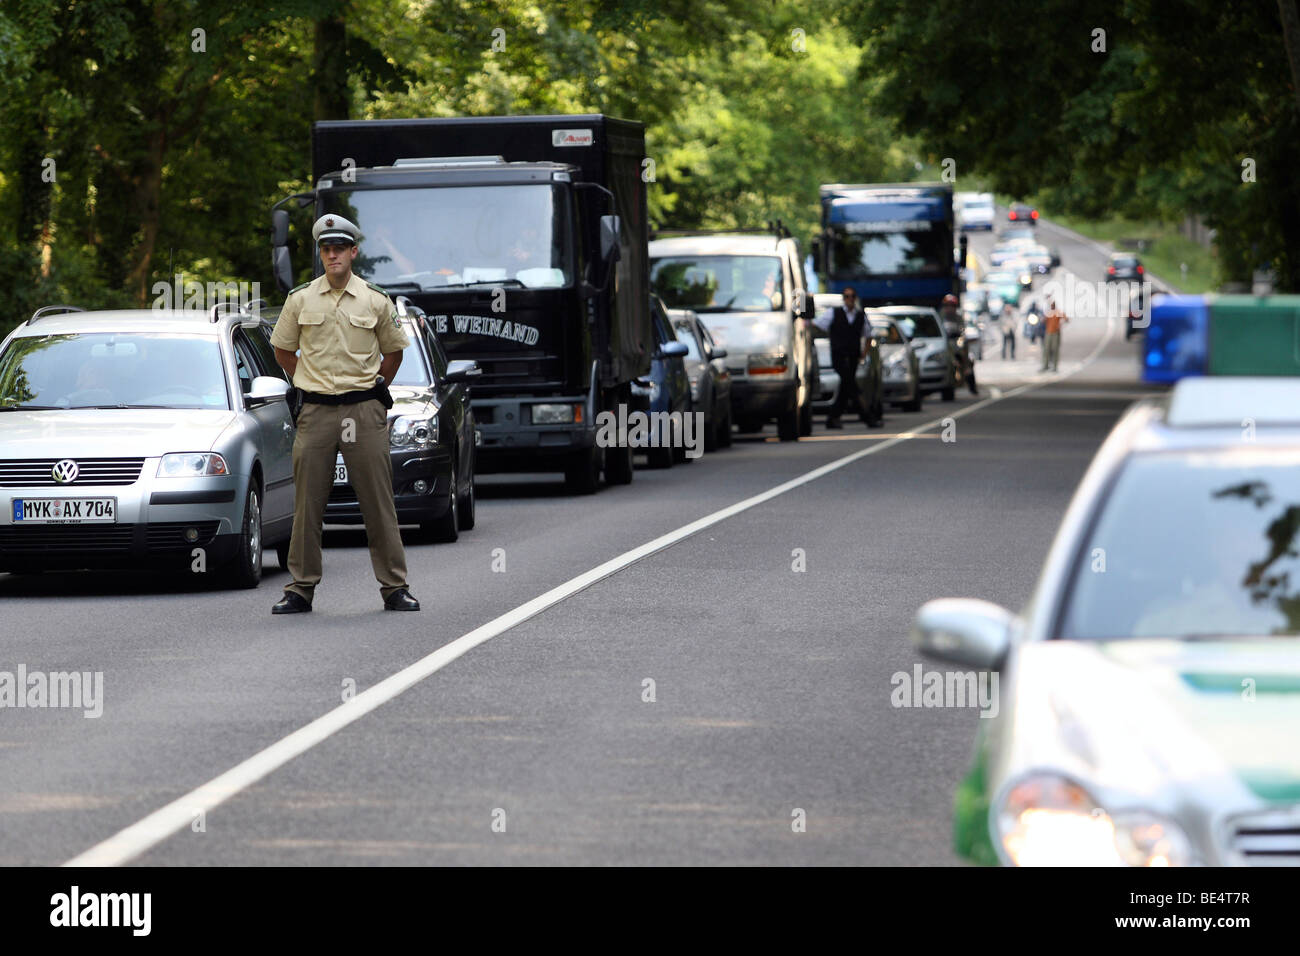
pixel 1149 694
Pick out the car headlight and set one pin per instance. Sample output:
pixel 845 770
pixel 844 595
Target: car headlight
pixel 192 464
pixel 1046 820
pixel 413 431
pixel 896 366
pixel 935 359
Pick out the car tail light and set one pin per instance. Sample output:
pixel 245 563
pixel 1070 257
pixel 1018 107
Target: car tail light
pixel 1140 270
pixel 1111 270
pixel 1011 214
pixel 1033 214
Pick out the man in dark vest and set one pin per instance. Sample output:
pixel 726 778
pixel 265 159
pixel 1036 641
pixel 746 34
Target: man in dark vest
pixel 846 326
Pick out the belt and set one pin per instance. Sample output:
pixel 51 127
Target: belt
pixel 344 398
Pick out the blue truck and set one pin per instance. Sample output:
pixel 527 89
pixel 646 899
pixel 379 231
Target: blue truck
pixel 892 242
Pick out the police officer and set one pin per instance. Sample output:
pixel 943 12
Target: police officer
pixel 846 326
pixel 349 344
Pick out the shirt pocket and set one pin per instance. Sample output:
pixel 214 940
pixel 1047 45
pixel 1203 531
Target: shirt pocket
pixel 309 328
pixel 360 335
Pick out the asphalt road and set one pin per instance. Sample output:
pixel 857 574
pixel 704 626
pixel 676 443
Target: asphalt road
pixel 772 685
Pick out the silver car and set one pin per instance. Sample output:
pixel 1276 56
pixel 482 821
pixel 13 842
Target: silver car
pixel 934 350
pixel 143 438
pixel 1147 709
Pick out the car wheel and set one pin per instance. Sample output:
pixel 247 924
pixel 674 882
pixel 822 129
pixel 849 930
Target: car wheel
pixel 582 477
pixel 918 400
pixel 787 426
pixel 465 518
pixel 245 569
pixel 447 528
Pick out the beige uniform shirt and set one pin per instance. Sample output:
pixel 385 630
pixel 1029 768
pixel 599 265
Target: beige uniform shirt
pixel 342 335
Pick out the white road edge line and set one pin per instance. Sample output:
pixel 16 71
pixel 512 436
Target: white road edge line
pixel 140 837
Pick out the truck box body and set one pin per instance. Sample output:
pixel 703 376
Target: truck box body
pixel 588 149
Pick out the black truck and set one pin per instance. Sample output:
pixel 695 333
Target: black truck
pixel 523 240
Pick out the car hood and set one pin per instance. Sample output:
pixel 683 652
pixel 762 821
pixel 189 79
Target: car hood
pixel 1148 716
pixel 410 400
pixel 110 432
pixel 740 332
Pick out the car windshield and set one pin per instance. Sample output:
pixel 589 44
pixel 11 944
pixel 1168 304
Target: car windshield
pixel 413 372
pixel 1124 262
pixel 687 338
pixel 95 369
pixel 886 334
pixel 1192 544
pixel 922 324
pixel 454 236
pixel 718 283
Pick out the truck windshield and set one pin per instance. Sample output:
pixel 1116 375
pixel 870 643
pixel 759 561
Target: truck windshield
pixel 458 236
pixel 917 251
pixel 718 283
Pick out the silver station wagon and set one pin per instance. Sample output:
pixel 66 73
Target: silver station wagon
pixel 143 439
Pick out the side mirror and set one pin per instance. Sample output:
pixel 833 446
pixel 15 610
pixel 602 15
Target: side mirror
pixel 279 227
pixel 282 268
pixel 610 226
pixel 266 389
pixel 462 370
pixel 964 631
pixel 673 350
pixel 719 353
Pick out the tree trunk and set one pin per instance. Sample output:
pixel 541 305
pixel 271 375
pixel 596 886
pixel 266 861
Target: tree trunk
pixel 329 73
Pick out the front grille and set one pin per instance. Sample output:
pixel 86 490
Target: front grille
pixel 66 539
pixel 1267 839
pixel 39 472
pixel 170 535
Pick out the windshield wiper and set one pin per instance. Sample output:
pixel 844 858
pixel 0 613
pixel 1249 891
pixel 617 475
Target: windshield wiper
pixel 465 285
pixel 29 408
pixel 121 405
pixel 401 287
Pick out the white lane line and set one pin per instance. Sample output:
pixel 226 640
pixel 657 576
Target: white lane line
pixel 140 837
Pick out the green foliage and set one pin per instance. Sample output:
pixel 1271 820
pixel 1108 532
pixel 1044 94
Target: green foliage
pixel 1154 127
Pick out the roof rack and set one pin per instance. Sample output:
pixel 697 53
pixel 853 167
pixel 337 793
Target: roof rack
pixel 774 227
pixel 53 310
pixel 239 308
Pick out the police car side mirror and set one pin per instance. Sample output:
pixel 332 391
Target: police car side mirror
pixel 266 389
pixel 609 230
pixel 282 268
pixel 462 370
pixel 964 631
pixel 719 353
pixel 279 227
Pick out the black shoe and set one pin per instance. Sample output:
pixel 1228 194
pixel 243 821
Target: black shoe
pixel 401 600
pixel 292 603
pixel 834 423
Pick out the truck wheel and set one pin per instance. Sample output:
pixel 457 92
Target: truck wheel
pixel 582 476
pixel 618 465
pixel 787 426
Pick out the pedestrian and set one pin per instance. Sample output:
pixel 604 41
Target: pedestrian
pixel 1008 323
pixel 846 326
pixel 348 344
pixel 1052 343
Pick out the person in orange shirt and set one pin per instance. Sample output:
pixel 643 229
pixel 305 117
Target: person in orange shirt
pixel 1052 343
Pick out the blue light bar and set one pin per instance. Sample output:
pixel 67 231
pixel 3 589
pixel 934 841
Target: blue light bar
pixel 1177 341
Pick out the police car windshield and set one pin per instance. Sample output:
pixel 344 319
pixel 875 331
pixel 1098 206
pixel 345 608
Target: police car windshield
pixel 414 371
pixel 113 369
pixel 458 236
pixel 1193 544
pixel 719 283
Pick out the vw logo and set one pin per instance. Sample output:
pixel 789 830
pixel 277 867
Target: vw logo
pixel 66 471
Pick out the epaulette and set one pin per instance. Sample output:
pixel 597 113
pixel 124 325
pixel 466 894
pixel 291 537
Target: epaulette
pixel 382 292
pixel 296 288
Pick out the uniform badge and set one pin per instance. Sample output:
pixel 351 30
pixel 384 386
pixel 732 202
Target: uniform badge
pixel 396 324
